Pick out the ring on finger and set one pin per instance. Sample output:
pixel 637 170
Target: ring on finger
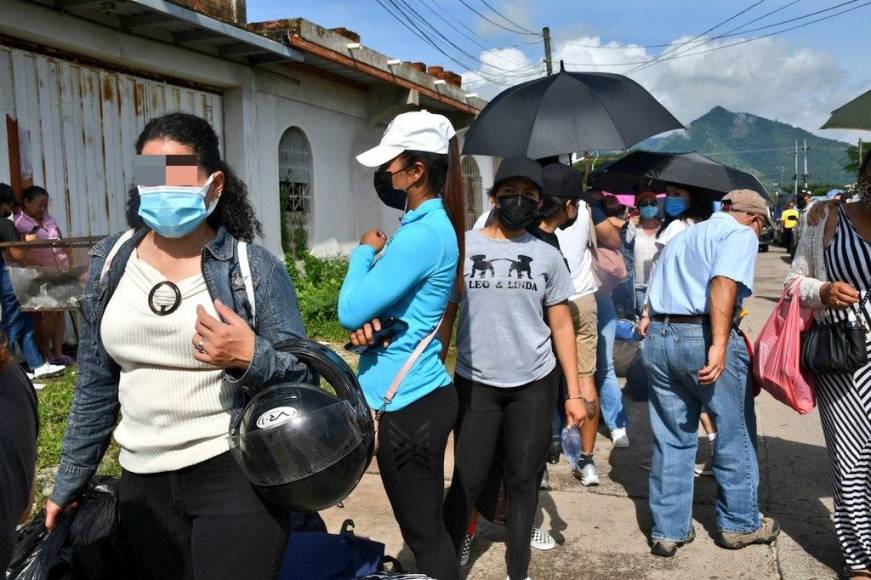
pixel 201 345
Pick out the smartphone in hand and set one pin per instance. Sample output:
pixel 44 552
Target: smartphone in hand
pixel 391 327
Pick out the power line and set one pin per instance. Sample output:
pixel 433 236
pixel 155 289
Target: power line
pixel 472 39
pixel 776 32
pixel 667 44
pixel 494 23
pixel 409 23
pixel 506 19
pixel 685 55
pixel 711 29
pixel 399 3
pixel 738 30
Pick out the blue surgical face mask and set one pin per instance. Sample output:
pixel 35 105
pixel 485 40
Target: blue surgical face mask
pixel 675 206
pixel 649 212
pixel 174 211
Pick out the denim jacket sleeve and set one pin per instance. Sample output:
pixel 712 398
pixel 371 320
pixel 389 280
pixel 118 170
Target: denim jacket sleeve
pixel 278 319
pixel 95 406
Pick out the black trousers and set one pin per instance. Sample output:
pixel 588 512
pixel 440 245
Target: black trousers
pixel 203 522
pixel 411 459
pixel 522 415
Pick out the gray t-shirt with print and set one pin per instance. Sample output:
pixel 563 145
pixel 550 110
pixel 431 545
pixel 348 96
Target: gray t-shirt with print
pixel 503 339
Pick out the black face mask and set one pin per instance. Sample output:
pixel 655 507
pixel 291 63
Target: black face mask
pixel 389 195
pixel 516 212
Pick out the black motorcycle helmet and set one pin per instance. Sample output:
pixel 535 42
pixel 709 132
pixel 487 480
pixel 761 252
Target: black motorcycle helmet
pixel 305 446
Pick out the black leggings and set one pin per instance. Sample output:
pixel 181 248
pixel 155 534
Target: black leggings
pixel 203 522
pixel 411 459
pixel 523 416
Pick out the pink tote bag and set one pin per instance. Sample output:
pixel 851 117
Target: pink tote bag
pixel 776 366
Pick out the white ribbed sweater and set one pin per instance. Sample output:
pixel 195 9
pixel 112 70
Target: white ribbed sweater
pixel 175 410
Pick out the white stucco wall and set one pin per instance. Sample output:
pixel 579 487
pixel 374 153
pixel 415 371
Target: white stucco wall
pixel 333 119
pixel 258 106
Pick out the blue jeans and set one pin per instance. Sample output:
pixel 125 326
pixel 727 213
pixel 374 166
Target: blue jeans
pixel 610 395
pixel 673 355
pixel 640 296
pixel 18 326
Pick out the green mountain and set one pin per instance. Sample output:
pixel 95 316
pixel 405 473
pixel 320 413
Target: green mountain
pixel 760 146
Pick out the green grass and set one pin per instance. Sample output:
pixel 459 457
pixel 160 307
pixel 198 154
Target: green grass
pixel 54 407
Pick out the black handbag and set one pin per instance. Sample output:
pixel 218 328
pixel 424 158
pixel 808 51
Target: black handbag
pixel 836 348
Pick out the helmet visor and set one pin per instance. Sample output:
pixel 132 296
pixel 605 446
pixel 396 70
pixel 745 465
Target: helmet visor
pixel 287 447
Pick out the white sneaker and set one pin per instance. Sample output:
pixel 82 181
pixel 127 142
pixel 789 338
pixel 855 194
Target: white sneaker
pixel 586 472
pixel 37 386
pixel 704 469
pixel 620 438
pixel 466 550
pixel 46 371
pixel 541 540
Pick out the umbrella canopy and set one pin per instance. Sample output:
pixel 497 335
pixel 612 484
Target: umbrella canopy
pixel 854 115
pixel 652 170
pixel 567 112
pixel 628 199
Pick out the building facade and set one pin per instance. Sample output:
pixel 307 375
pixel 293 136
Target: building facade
pixel 293 103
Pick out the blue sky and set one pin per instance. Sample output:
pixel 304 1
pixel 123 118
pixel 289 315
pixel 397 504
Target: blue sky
pixel 797 76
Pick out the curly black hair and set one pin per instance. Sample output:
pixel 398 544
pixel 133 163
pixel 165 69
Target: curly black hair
pixel 234 210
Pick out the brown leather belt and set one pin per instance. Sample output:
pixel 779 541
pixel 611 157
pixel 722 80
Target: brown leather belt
pixel 681 318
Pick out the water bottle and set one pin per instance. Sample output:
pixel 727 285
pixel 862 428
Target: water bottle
pixel 571 440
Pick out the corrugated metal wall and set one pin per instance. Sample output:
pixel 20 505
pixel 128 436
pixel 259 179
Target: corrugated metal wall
pixel 78 128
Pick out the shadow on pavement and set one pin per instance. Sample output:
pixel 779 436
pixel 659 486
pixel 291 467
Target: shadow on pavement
pixel 795 487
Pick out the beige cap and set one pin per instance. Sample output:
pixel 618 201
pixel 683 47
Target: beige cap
pixel 747 201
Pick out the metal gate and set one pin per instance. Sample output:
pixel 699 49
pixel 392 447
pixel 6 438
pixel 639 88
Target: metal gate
pixel 473 189
pixel 76 130
pixel 295 188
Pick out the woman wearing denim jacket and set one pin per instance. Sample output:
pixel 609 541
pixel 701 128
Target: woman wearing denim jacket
pixel 169 339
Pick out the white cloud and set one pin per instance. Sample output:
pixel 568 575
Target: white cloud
pixel 766 77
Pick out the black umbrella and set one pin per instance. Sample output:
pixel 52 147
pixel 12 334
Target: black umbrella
pixel 641 170
pixel 567 112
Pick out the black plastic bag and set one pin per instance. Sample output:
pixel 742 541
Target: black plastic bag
pixel 84 546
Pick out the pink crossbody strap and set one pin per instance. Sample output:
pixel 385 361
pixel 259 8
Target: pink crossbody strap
pixel 403 372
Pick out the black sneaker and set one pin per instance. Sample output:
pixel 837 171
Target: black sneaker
pixel 553 452
pixel 666 549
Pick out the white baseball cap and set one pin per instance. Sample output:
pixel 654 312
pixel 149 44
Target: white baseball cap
pixel 414 131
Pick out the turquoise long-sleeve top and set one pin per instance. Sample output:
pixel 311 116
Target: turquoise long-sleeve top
pixel 412 280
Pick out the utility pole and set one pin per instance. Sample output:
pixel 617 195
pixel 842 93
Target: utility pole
pixel 795 172
pixel 548 58
pixel 805 175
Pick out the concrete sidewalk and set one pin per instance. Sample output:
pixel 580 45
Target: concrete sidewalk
pixel 602 531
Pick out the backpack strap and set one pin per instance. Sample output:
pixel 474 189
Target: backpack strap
pixel 245 267
pixel 403 372
pixel 120 242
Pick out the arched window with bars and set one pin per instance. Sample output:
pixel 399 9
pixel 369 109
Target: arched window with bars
pixel 295 190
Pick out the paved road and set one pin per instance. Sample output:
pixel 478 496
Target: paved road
pixel 602 531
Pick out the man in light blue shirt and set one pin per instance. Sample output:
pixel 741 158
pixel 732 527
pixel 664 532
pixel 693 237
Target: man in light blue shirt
pixel 695 358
